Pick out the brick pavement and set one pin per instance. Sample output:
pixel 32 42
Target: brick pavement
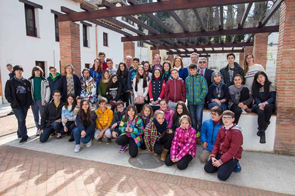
pixel 9 123
pixel 26 172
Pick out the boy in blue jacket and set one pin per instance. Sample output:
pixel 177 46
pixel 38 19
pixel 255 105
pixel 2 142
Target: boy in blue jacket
pixel 209 132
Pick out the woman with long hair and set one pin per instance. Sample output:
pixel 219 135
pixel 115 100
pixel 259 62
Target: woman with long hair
pixel 103 85
pixel 85 122
pixel 178 64
pixel 166 71
pixel 122 73
pixel 147 69
pixel 250 69
pixel 264 95
pixel 140 88
pixel 68 117
pixel 114 91
pixel 96 70
pixel 146 114
pixel 69 83
pixel 180 110
pixel 131 129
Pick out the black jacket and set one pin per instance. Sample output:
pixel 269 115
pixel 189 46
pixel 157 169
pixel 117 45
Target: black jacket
pixel 63 87
pixel 225 74
pixel 208 75
pixel 50 114
pixel 117 119
pixel 10 93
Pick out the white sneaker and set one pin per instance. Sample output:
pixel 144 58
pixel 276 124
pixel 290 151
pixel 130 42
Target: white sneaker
pixel 88 144
pixel 77 148
pixel 38 132
pixel 58 136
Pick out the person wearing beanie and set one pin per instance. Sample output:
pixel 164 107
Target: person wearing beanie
pixel 18 94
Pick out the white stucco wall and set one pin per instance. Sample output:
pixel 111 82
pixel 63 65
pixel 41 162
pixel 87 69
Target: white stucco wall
pixel 18 48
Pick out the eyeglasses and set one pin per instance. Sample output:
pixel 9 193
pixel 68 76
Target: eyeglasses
pixel 226 117
pixel 213 113
pixel 249 57
pixel 202 62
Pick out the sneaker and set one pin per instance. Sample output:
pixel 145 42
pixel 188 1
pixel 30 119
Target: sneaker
pixel 244 111
pixel 77 148
pixel 238 168
pixel 38 132
pixel 109 141
pixel 23 140
pixel 99 140
pixel 123 148
pixel 71 139
pixel 10 113
pixel 58 136
pixel 88 144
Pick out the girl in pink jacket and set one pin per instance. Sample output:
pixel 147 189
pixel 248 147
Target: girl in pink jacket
pixel 183 148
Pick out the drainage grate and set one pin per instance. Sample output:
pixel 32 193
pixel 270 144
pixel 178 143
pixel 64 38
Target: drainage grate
pixel 146 161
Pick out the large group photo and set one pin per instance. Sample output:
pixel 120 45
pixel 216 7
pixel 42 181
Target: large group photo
pixel 147 97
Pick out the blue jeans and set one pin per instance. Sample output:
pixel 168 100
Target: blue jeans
pixel 37 109
pixel 21 115
pixel 77 136
pixel 56 126
pixel 197 115
pixel 212 104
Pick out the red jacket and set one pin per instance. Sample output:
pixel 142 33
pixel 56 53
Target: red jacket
pixel 228 143
pixel 175 90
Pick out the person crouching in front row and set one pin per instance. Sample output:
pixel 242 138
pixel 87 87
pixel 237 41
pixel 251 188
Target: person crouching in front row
pixel 227 150
pixel 183 148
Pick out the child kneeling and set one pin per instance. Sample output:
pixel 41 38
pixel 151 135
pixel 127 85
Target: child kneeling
pixel 227 150
pixel 184 147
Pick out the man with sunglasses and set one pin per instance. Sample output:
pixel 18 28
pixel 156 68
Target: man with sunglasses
pixel 204 71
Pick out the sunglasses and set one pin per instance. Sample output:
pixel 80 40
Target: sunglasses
pixel 202 62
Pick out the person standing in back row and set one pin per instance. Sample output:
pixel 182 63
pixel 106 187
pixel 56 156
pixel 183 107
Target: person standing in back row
pixel 232 69
pixel 11 75
pixel 18 94
pixel 53 79
pixel 40 93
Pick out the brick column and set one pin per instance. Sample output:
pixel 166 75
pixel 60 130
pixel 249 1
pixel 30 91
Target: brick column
pixel 260 48
pixel 129 49
pixel 285 71
pixel 69 43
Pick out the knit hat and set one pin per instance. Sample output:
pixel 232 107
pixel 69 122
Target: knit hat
pixel 17 67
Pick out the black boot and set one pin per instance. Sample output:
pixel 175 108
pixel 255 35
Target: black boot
pixel 262 137
pixel 258 133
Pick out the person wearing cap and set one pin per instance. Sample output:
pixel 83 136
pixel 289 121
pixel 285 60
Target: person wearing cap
pixel 18 94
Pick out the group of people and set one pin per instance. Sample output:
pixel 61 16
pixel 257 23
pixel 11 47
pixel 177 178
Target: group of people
pixel 156 108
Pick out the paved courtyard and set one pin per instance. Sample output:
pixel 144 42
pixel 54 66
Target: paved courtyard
pixel 54 169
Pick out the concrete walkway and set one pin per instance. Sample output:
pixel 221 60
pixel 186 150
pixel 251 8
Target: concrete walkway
pixel 264 171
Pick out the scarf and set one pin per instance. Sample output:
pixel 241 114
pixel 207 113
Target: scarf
pixel 144 85
pixel 161 128
pixel 218 92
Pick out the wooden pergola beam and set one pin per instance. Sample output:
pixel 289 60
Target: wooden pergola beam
pixel 211 52
pixel 240 44
pixel 149 8
pixel 203 28
pixel 152 17
pixel 107 4
pixel 254 30
pixel 179 21
pixel 113 20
